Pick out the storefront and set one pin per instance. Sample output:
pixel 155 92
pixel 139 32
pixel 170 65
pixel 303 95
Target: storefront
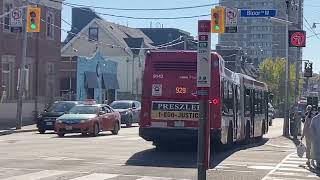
pixel 96 79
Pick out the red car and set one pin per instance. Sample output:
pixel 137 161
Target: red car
pixel 88 119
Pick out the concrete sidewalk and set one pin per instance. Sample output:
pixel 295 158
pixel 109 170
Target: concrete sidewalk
pixel 29 128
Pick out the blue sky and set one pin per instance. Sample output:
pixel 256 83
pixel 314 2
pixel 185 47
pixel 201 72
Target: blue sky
pixel 311 13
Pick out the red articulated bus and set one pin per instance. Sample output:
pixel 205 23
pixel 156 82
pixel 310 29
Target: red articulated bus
pixel 238 109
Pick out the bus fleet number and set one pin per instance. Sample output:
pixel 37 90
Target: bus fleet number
pixel 181 90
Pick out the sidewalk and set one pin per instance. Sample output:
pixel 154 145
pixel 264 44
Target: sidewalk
pixel 29 128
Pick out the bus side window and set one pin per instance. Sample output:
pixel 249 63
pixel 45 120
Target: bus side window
pixel 247 102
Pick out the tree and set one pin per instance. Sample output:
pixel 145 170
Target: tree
pixel 272 72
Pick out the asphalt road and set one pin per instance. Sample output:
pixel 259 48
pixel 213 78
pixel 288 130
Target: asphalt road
pixel 31 156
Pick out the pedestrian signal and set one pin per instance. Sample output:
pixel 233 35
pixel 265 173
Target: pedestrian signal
pixel 217 20
pixel 33 19
pixel 308 69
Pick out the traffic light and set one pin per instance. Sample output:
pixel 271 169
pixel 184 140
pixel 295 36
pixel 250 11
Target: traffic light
pixel 217 20
pixel 33 19
pixel 308 69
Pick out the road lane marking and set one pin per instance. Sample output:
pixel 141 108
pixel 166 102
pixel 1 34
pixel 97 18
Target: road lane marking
pixel 96 176
pixel 153 178
pixel 37 175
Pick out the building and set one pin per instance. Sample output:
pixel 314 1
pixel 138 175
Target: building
pixel 161 36
pixel 120 44
pixel 262 38
pixel 97 79
pixel 43 53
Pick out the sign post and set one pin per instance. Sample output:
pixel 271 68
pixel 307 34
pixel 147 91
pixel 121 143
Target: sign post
pixel 16 20
pixel 231 15
pixel 203 85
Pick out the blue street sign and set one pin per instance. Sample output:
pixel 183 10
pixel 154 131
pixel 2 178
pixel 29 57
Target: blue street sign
pixel 257 13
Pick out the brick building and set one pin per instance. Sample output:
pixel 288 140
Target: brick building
pixel 43 53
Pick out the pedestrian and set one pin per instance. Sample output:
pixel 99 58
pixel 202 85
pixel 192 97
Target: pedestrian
pixel 307 132
pixel 315 134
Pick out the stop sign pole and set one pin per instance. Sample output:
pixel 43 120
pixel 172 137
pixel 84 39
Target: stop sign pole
pixel 203 86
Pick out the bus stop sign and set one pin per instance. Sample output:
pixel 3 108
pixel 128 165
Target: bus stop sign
pixel 204 54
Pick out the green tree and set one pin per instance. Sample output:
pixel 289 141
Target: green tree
pixel 272 72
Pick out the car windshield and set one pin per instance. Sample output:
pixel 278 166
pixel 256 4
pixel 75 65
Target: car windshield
pixel 84 110
pixel 61 107
pixel 121 105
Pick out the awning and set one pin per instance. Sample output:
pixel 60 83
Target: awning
pixel 110 81
pixel 91 80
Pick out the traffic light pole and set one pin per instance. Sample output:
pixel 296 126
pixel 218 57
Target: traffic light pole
pixel 286 100
pixel 21 80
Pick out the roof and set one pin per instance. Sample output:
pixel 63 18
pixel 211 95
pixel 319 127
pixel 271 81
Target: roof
pixel 121 32
pixel 164 35
pixel 117 32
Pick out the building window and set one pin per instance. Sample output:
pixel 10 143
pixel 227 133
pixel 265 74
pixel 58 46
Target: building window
pixel 50 25
pixel 7 8
pixel 93 34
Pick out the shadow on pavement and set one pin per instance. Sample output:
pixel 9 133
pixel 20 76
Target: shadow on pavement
pixel 183 157
pixel 79 136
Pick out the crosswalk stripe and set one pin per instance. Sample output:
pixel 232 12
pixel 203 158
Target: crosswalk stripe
pixel 290 165
pixel 37 175
pixel 293 174
pixel 96 176
pixel 292 169
pixel 294 162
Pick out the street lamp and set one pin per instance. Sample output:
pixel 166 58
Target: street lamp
pixel 314 25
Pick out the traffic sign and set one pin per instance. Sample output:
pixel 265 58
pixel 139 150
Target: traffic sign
pixel 16 20
pixel 231 22
pixel 297 38
pixel 258 13
pixel 204 54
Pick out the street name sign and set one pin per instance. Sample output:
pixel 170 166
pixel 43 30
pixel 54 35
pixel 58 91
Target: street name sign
pixel 258 13
pixel 204 54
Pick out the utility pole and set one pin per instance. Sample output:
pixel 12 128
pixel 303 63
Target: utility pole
pixel 286 103
pixel 23 63
pixel 299 50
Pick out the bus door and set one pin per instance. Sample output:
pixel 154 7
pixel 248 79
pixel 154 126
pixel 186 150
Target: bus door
pixel 236 111
pixel 252 109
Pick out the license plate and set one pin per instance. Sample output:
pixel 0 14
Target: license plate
pixel 179 124
pixel 49 123
pixel 68 128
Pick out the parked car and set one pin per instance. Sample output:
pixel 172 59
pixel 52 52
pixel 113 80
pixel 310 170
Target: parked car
pixel 271 113
pixel 88 119
pixel 129 111
pixel 47 119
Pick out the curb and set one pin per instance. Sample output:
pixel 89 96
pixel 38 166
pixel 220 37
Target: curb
pixel 7 132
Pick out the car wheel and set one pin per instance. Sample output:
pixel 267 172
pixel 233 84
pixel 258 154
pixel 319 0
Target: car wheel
pixel 41 130
pixel 96 130
pixel 60 134
pixel 129 122
pixel 83 134
pixel 116 129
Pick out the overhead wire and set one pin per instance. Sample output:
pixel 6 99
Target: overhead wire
pixel 84 36
pixel 310 28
